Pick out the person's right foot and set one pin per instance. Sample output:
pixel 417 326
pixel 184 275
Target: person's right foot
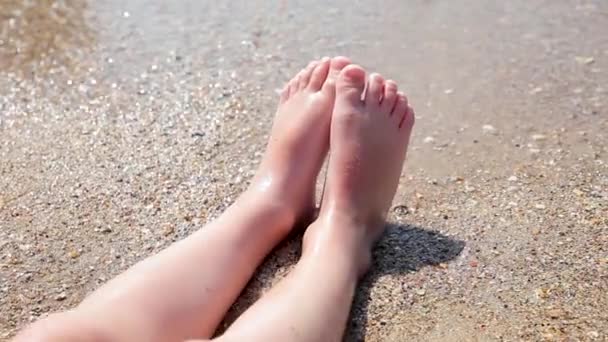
pixel 369 136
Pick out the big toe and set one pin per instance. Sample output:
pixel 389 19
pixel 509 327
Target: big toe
pixel 336 65
pixel 350 84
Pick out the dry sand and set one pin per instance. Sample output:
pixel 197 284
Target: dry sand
pixel 125 126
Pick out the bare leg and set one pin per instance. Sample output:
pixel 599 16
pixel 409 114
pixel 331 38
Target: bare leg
pixel 184 291
pixel 369 141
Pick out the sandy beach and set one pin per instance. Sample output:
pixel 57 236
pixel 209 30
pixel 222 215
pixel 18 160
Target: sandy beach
pixel 127 125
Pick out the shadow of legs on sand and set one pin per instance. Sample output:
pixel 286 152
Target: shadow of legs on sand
pixel 403 249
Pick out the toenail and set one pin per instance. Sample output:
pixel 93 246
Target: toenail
pixel 354 73
pixel 376 77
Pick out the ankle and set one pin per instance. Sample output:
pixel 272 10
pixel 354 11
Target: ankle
pixel 358 217
pixel 279 192
pixel 339 236
pixel 267 203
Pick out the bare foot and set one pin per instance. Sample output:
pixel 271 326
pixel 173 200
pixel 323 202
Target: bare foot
pixel 299 138
pixel 369 134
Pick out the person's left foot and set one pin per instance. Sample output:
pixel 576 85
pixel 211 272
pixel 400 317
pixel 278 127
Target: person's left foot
pixel 300 137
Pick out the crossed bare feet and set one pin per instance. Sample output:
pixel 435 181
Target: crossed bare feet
pixel 366 124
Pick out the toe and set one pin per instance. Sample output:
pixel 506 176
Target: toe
pixel 350 84
pixel 319 75
pixel 306 74
pixel 293 85
pixel 375 90
pixel 389 99
pixel 298 82
pixel 408 120
pixel 400 108
pixel 284 94
pixel 336 65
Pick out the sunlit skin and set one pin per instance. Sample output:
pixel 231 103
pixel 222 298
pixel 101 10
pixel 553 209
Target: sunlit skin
pixel 313 302
pixel 184 291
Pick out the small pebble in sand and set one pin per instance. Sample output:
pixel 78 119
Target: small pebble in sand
pixel 578 90
pixel 539 206
pixel 401 210
pixel 429 140
pixel 584 60
pixel 543 292
pixel 539 137
pixel 513 179
pixel 168 229
pixel 489 129
pixel 472 202
pixel 61 297
pixel 556 313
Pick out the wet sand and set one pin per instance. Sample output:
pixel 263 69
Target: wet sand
pixel 125 126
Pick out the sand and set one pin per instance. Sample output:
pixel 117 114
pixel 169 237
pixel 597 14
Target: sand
pixel 125 126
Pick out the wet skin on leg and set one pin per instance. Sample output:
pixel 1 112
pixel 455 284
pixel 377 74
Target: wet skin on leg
pixel 313 302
